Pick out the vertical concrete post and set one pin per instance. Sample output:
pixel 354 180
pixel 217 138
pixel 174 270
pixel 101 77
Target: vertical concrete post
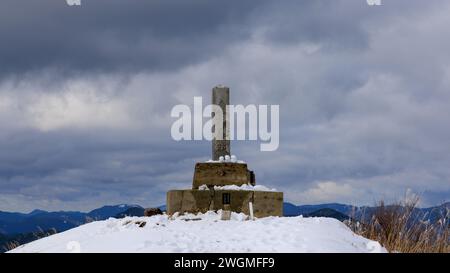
pixel 221 97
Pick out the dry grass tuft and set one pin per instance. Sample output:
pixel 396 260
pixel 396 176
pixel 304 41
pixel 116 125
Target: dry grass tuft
pixel 397 228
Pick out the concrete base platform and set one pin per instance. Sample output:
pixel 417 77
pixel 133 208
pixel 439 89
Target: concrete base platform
pixel 221 174
pixel 265 203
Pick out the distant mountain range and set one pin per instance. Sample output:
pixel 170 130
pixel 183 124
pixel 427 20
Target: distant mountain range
pixel 293 210
pixel 18 228
pixel 40 220
pixel 431 214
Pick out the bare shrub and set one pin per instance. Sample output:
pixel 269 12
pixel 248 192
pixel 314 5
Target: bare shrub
pixel 402 227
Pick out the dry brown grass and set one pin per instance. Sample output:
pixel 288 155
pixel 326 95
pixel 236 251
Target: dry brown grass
pixel 11 245
pixel 396 228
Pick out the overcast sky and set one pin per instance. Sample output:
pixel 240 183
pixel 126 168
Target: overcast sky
pixel 86 93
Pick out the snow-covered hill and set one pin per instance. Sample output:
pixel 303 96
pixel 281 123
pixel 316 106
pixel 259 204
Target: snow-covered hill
pixel 206 233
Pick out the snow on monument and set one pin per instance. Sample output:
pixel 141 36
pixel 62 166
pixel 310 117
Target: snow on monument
pixel 224 183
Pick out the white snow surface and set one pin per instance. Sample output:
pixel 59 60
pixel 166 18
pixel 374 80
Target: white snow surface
pixel 227 158
pixel 244 187
pixel 206 233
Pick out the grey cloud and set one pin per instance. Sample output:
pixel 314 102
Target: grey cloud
pixel 105 36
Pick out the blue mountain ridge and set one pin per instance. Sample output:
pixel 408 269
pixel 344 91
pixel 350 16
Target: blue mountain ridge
pixel 40 220
pixel 290 209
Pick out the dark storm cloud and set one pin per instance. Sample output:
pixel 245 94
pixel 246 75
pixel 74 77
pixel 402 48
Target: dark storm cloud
pixel 116 35
pixel 135 35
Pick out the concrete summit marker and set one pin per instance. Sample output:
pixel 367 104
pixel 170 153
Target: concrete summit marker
pixel 221 138
pixel 223 183
pixel 227 122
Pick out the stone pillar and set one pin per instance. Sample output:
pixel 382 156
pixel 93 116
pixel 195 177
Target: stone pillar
pixel 221 97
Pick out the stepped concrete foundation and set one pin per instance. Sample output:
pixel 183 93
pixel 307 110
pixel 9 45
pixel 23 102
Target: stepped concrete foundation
pixel 265 203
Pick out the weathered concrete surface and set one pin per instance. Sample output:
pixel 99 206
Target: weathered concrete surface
pixel 221 144
pixel 221 174
pixel 265 203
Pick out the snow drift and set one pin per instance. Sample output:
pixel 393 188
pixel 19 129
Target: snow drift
pixel 206 233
